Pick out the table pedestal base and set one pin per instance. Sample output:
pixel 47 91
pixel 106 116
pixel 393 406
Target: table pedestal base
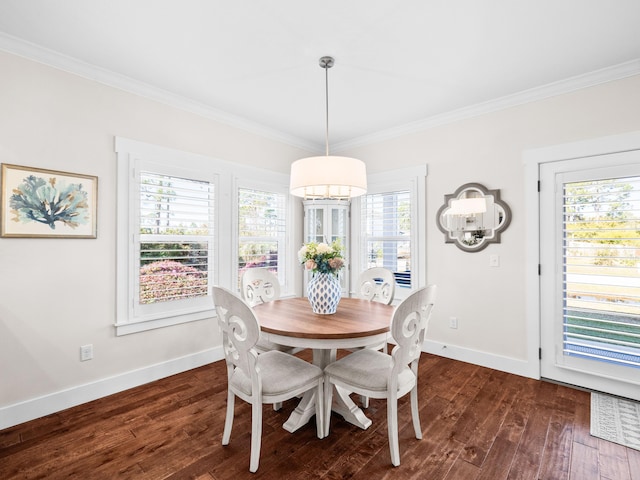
pixel 342 403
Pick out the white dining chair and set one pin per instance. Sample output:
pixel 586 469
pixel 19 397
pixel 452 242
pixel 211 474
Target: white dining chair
pixel 259 285
pixel 377 284
pixel 376 374
pixel 270 377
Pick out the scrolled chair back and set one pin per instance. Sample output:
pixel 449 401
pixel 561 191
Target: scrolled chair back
pixel 259 285
pixel 409 325
pixel 240 329
pixel 377 284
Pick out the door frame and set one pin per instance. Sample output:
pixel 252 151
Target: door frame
pixel 532 160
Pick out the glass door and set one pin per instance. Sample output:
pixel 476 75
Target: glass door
pixel 314 227
pixel 590 273
pixel 325 222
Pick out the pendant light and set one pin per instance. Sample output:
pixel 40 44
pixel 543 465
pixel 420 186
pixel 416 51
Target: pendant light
pixel 328 176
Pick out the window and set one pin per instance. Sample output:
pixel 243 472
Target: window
pixel 176 238
pixel 166 237
pixel 388 228
pixel 176 227
pixel 262 231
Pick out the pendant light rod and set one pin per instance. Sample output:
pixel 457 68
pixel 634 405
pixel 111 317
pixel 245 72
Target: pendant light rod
pixel 326 63
pixel 328 176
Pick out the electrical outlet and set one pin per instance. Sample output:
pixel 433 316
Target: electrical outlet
pixel 494 260
pixel 86 353
pixel 453 322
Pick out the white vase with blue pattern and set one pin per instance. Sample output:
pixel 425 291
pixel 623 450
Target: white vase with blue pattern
pixel 324 293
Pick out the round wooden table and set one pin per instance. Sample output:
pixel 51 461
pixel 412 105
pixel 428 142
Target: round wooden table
pixel 356 323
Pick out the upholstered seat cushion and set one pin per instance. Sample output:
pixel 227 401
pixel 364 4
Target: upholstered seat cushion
pixel 265 345
pixel 281 373
pixel 368 369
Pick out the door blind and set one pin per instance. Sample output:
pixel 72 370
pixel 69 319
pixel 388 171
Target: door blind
pixel 601 245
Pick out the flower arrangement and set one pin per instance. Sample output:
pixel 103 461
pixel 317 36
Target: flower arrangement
pixel 322 258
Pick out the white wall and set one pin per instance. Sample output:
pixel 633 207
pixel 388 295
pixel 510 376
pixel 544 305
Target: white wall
pixel 489 302
pixel 58 294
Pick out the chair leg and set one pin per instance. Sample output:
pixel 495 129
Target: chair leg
pixel 228 421
pixel 277 406
pixel 328 398
pixel 256 434
pixel 392 424
pixel 320 423
pixel 414 412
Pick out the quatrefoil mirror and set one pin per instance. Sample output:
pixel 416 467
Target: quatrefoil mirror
pixel 473 217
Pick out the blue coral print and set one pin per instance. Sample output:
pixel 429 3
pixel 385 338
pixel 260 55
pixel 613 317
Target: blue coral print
pixel 42 201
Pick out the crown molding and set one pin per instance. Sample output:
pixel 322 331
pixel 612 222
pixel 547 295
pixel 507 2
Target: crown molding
pixel 86 70
pixel 72 65
pixel 568 85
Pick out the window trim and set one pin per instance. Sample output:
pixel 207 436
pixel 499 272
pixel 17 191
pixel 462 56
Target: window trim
pixel 132 156
pixel 533 161
pixel 227 175
pixel 412 179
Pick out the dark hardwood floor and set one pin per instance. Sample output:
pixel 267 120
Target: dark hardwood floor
pixel 477 424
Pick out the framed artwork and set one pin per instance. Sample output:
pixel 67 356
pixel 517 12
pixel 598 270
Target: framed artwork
pixel 47 203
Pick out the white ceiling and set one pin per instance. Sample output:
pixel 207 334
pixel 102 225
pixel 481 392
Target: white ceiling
pixel 399 64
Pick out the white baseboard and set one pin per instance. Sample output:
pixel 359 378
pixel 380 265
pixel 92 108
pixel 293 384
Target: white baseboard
pixel 38 407
pixel 484 359
pixel 54 402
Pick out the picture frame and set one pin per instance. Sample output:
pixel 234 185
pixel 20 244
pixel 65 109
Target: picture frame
pixel 41 203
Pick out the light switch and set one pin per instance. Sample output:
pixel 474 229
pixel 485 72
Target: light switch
pixel 494 260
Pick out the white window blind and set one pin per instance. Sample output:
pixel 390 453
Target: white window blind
pixel 601 230
pixel 262 230
pixel 176 228
pixel 386 233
